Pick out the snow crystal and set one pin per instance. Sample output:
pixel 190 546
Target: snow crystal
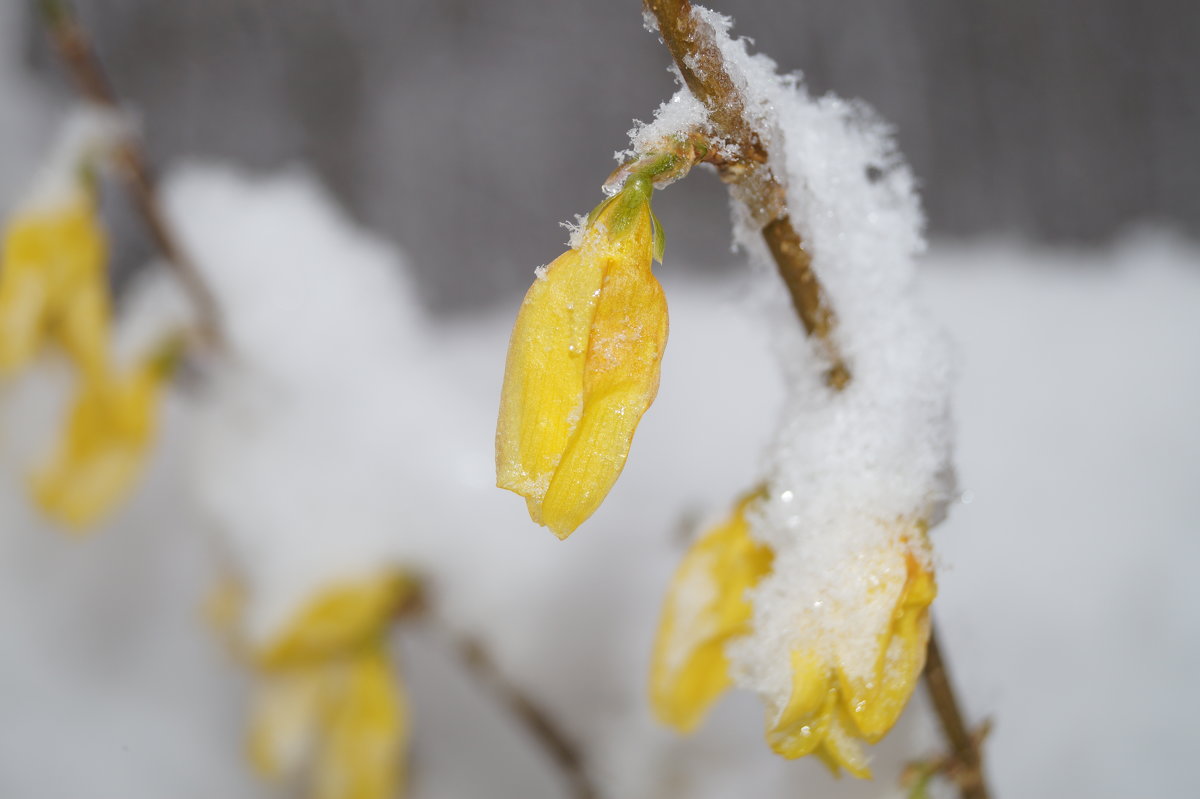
pixel 851 473
pixel 575 231
pixel 676 117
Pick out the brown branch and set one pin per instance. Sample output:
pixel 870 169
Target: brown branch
pixel 703 69
pixel 87 73
pixel 965 747
pixel 545 730
pixel 559 747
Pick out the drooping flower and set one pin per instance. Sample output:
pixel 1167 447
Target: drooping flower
pixel 104 444
pixel 53 285
pixel 832 706
pixel 706 607
pixel 583 364
pixel 330 705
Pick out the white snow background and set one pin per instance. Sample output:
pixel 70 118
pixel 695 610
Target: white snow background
pixel 1067 595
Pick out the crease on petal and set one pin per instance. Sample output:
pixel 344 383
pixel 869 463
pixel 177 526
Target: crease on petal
pixel 542 397
pixel 840 748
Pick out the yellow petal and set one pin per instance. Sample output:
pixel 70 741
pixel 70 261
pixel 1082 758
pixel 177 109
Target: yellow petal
pixel 542 398
pixel 841 750
pixel 583 367
pixel 705 607
pixel 53 269
pixel 284 721
pixel 101 454
pixel 83 325
pixel 339 619
pixel 362 756
pixel 875 703
pixel 803 723
pixel 24 297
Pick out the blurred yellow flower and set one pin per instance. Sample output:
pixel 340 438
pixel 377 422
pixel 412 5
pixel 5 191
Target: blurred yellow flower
pixel 705 607
pixel 53 283
pixel 330 703
pixel 583 364
pixel 830 710
pixel 105 442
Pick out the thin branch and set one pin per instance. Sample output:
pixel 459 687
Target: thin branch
pixel 79 57
pixel 545 730
pixel 965 746
pixel 420 606
pixel 703 69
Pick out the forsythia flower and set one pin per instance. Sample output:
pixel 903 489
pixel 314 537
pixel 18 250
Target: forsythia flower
pixel 830 709
pixel 105 442
pixel 583 364
pixel 330 696
pixel 53 285
pixel 707 606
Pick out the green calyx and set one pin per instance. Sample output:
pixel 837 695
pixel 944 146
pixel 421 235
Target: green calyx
pixel 633 183
pixel 622 209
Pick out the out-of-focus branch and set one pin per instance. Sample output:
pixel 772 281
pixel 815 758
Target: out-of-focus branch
pixel 552 739
pixel 546 732
pixel 74 48
pixel 966 753
pixel 703 69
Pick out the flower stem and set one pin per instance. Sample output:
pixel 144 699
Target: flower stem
pixel 965 747
pixel 87 73
pixel 703 69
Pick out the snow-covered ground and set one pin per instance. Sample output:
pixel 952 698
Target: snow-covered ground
pixel 1066 593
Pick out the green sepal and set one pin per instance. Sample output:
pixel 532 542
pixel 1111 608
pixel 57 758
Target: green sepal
pixel 660 238
pixel 622 208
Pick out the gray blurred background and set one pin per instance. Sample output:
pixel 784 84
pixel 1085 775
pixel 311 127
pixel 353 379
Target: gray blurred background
pixel 465 130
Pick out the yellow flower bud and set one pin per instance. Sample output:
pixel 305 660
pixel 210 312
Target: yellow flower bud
pixel 583 365
pixel 104 446
pixel 53 284
pixel 330 699
pixel 705 607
